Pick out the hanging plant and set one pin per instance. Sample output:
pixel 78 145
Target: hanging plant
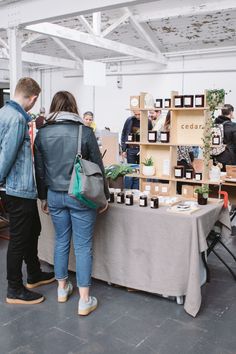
pixel 214 99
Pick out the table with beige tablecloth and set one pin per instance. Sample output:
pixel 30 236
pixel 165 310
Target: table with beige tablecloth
pixel 152 250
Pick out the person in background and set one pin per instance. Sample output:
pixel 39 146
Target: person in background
pixel 19 194
pixel 88 119
pixel 40 119
pixel 131 152
pixel 157 119
pixel 55 150
pixel 228 156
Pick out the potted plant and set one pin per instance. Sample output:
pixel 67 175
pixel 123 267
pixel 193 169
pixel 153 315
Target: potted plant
pixel 202 194
pixel 115 173
pixel 148 167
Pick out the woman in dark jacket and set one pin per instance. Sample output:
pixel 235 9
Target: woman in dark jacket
pixel 55 150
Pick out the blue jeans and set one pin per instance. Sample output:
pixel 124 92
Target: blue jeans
pixel 72 218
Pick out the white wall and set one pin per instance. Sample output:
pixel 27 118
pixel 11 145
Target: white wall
pixel 109 103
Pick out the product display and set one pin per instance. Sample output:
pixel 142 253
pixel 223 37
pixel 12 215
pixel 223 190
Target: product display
pixel 167 103
pixel 188 101
pixel 199 100
pixel 179 171
pixel 154 203
pixel 120 198
pixel 129 199
pixel 165 137
pixel 188 191
pixel 152 136
pixel 178 101
pixel 198 176
pixel 112 197
pixel 130 137
pixel 189 173
pixel 159 103
pixel 143 200
pixel 134 102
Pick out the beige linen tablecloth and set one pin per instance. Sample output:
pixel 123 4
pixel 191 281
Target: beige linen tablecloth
pixel 148 249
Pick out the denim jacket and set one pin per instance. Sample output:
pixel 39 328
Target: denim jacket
pixel 16 163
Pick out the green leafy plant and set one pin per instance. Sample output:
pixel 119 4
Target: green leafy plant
pixel 214 98
pixel 148 162
pixel 115 171
pixel 204 189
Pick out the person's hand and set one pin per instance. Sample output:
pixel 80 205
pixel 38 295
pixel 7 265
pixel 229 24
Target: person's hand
pixel 124 154
pixel 44 207
pixel 101 210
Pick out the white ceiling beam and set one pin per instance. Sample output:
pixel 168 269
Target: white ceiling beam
pixel 28 12
pixel 115 24
pixel 97 23
pixel 159 11
pixel 31 38
pixel 51 61
pixel 141 31
pixel 73 35
pixel 205 51
pixel 4 44
pixel 86 24
pixel 68 50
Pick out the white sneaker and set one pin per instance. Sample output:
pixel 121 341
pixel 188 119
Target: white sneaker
pixel 63 294
pixel 86 307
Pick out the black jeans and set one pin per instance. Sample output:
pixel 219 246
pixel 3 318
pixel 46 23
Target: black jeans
pixel 132 157
pixel 25 228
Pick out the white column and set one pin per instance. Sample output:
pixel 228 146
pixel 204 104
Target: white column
pixel 15 59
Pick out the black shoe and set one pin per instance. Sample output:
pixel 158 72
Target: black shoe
pixel 41 279
pixel 23 296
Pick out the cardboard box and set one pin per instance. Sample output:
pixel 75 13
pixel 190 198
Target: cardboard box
pixel 187 191
pixel 147 187
pixel 230 171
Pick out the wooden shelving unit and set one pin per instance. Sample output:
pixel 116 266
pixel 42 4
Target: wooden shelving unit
pixel 187 129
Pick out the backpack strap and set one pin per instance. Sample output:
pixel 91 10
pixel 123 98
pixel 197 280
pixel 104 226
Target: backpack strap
pixel 79 140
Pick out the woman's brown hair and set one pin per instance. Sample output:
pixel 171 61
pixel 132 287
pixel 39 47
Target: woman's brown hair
pixel 63 101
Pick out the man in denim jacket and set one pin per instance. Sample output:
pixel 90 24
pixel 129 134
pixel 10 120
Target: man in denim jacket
pixel 18 192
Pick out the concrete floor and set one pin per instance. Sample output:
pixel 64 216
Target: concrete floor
pixel 125 322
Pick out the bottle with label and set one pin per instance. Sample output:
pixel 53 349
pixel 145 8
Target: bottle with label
pixel 178 101
pixel 130 137
pixel 154 203
pixel 120 198
pixel 165 137
pixel 179 171
pixel 152 136
pixel 129 199
pixel 112 197
pixel 143 200
pixel 189 173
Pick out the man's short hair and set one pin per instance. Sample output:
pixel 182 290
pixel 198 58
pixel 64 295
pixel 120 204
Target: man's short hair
pixel 28 87
pixel 227 109
pixel 88 113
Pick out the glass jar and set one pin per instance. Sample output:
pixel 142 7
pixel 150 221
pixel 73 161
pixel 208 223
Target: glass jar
pixel 165 137
pixel 120 198
pixel 129 199
pixel 189 173
pixel 154 203
pixel 152 136
pixel 179 171
pixel 143 200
